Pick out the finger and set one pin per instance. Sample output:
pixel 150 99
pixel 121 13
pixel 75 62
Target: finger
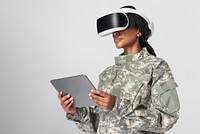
pixel 103 105
pixel 100 103
pixel 69 106
pixel 64 98
pixel 67 102
pixel 60 95
pixel 99 92
pixel 98 98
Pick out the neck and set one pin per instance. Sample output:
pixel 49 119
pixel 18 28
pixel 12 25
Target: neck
pixel 132 50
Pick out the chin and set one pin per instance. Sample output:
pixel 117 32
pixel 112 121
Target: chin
pixel 119 46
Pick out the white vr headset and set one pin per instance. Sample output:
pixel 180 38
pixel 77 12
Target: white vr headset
pixel 117 21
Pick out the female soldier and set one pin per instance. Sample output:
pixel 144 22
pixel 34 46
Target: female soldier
pixel 138 94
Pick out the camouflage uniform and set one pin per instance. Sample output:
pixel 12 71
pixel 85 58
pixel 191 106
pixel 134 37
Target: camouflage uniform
pixel 147 101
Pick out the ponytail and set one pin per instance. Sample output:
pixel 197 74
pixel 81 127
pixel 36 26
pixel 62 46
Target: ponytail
pixel 148 46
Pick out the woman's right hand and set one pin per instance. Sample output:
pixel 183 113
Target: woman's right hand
pixel 66 103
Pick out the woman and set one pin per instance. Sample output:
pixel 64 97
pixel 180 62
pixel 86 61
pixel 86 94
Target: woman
pixel 137 95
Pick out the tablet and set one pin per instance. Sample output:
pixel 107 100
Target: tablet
pixel 78 86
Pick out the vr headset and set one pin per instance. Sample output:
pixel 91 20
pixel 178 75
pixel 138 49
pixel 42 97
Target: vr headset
pixel 117 21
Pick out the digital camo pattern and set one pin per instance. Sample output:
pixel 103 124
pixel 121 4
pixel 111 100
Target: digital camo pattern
pixel 147 101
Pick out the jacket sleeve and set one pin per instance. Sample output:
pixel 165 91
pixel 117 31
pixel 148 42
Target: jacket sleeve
pixel 86 119
pixel 162 110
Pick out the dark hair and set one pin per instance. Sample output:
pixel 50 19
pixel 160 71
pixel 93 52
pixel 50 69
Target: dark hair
pixel 139 22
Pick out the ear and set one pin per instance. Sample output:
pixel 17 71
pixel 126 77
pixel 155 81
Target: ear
pixel 139 34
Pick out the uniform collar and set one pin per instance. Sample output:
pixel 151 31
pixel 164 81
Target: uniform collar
pixel 122 59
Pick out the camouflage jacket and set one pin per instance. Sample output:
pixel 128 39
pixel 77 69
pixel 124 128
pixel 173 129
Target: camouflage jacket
pixel 147 100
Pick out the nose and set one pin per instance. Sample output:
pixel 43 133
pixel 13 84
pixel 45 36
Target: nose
pixel 115 34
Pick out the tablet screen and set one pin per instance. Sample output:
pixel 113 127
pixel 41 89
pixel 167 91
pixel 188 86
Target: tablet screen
pixel 78 86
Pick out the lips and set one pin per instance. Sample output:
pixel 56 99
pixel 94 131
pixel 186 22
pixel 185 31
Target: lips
pixel 117 39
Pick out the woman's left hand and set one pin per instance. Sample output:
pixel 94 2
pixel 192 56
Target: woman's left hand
pixel 104 100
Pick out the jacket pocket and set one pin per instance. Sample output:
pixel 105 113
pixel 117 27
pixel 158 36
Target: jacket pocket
pixel 167 97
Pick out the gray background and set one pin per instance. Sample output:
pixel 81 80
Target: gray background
pixel 45 39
